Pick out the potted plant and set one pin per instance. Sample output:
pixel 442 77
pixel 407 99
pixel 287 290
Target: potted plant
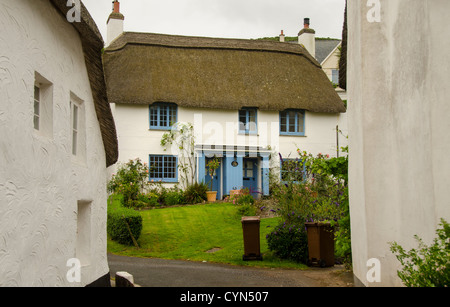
pixel 212 165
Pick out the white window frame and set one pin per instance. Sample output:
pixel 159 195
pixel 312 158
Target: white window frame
pixel 77 128
pixel 42 106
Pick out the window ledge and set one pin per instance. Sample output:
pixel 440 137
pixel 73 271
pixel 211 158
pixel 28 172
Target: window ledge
pixel 294 135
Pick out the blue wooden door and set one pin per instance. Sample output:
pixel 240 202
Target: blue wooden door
pixel 250 172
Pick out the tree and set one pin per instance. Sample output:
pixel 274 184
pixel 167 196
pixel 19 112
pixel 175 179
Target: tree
pixel 182 137
pixel 343 57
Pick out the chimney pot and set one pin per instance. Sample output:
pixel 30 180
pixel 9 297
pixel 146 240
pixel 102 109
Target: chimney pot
pixel 306 23
pixel 282 36
pixel 116 6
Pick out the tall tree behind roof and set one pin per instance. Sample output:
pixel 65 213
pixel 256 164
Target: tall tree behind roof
pixel 343 59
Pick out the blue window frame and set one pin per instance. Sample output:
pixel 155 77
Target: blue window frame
pixel 292 171
pixel 163 168
pixel 162 116
pixel 292 122
pixel 248 121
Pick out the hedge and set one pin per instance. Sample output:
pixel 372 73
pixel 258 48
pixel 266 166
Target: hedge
pixel 121 221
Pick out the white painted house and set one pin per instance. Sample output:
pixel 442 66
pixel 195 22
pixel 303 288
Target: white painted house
pixel 399 127
pixel 57 137
pixel 248 100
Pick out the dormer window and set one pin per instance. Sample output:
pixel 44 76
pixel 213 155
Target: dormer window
pixel 292 122
pixel 248 121
pixel 163 116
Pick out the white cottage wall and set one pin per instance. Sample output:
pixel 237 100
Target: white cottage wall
pixel 220 127
pixel 398 122
pixel 41 184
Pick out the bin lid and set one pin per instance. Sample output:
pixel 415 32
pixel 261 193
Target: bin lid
pixel 250 219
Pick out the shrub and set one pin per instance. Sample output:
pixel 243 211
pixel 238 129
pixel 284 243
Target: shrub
pixel 289 241
pixel 129 181
pixel 246 210
pixel 174 197
pixel 427 266
pixel 121 221
pixel 196 193
pixel 245 199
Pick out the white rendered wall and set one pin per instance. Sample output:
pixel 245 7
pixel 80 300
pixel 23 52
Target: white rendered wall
pixel 308 40
pixel 220 127
pixel 399 128
pixel 114 29
pixel 41 184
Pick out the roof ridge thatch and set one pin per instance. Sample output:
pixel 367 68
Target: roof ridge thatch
pixel 92 43
pixel 216 73
pixel 180 41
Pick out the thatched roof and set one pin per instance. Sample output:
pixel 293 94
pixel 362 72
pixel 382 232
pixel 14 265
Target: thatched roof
pixel 143 68
pixel 92 43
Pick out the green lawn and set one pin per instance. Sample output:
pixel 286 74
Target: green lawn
pixel 188 232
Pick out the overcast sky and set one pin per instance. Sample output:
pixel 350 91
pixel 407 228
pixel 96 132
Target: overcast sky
pixel 224 18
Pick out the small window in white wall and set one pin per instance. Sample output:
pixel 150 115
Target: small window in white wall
pixel 78 128
pixel 43 106
pixel 37 106
pixel 75 129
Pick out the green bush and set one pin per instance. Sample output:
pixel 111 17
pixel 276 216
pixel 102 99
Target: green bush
pixel 174 197
pixel 245 199
pixel 196 193
pixel 121 221
pixel 427 266
pixel 246 210
pixel 289 241
pixel 129 181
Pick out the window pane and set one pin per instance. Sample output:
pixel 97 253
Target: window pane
pixel 251 125
pixel 37 93
pixel 172 115
pixel 292 121
pixel 75 117
pixel 36 122
pixel 283 121
pixel 301 122
pixel 242 120
pixel 153 116
pixel 37 111
pixel 74 142
pixel 163 116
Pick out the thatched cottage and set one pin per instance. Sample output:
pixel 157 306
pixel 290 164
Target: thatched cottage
pixel 57 139
pixel 248 100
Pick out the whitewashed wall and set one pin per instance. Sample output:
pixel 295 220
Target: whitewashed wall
pixel 41 184
pixel 399 128
pixel 220 127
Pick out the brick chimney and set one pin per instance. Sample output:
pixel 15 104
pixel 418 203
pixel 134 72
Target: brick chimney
pixel 114 23
pixel 307 37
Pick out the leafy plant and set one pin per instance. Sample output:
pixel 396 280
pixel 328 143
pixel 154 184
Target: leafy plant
pixel 196 193
pixel 426 266
pixel 289 241
pixel 321 197
pixel 246 210
pixel 212 165
pixel 129 181
pixel 183 139
pixel 123 225
pixel 174 197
